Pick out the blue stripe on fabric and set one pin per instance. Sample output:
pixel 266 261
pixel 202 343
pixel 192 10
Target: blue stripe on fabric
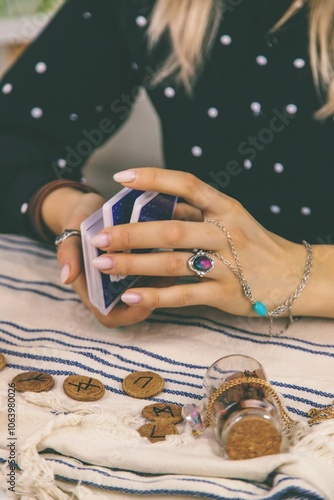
pixel 185 493
pixel 112 377
pixel 101 360
pixel 303 388
pixel 38 292
pixel 297 492
pixel 106 363
pixel 279 480
pixel 171 380
pixel 88 368
pixel 40 283
pixel 89 355
pixel 109 388
pixel 250 339
pixel 113 344
pixel 241 330
pixel 28 242
pixel 300 400
pixel 300 413
pixel 228 488
pixel 157 477
pixel 150 367
pixel 74 348
pixel 29 252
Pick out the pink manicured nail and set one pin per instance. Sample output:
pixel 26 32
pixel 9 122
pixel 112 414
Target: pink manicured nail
pixel 103 262
pixel 131 298
pixel 65 273
pixel 125 176
pixel 100 240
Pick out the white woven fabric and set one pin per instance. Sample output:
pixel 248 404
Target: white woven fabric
pixel 65 449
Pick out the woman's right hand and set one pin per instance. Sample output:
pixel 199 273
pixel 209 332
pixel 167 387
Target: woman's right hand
pixel 66 208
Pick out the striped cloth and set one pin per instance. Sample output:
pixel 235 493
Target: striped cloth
pixel 65 449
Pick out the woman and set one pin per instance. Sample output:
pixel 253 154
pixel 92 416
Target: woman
pixel 244 92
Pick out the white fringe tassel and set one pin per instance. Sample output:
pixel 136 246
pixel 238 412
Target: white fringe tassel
pixel 36 479
pixel 319 441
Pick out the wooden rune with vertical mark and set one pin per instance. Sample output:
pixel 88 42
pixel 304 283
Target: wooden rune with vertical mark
pixel 148 380
pixel 143 385
pixel 33 382
pixel 163 411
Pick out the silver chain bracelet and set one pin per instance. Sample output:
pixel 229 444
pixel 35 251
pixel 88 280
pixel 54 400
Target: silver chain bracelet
pixel 259 307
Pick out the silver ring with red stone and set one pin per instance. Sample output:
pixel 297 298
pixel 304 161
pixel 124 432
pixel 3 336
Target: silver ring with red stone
pixel 201 263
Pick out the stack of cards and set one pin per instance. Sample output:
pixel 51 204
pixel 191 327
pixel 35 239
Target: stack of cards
pixel 127 206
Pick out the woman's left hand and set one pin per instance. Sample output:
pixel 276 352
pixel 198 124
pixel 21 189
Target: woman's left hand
pixel 272 266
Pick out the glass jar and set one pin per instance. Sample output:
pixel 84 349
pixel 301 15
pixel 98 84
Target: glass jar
pixel 245 420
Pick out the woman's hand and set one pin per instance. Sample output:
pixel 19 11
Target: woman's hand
pixel 67 208
pixel 272 265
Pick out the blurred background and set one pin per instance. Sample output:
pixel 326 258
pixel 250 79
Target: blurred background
pixel 133 146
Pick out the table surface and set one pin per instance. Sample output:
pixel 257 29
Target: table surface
pixel 44 326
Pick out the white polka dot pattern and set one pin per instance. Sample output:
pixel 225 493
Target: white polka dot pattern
pixel 99 108
pixel 256 107
pixel 278 167
pixel 261 60
pixel 134 66
pixel 305 211
pixel 87 15
pixel 291 109
pixel 24 208
pixel 36 113
pixel 141 21
pixel 73 117
pixel 213 112
pixel 226 40
pixel 248 164
pixel 169 92
pixel 61 163
pixel 41 67
pixel 7 88
pixel 275 209
pixel 299 63
pixel 197 151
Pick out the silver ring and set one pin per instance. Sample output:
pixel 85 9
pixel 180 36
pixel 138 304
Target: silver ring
pixel 201 263
pixel 66 234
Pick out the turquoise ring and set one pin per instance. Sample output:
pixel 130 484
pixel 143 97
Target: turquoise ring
pixel 201 263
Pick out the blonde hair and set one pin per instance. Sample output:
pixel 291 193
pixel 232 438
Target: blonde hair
pixel 192 26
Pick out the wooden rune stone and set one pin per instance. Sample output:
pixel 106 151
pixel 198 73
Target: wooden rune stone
pixel 143 385
pixel 157 431
pixel 3 361
pixel 163 411
pixel 33 382
pixel 83 388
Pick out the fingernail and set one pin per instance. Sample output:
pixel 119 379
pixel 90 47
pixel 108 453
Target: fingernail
pixel 65 273
pixel 103 262
pixel 131 298
pixel 125 176
pixel 101 240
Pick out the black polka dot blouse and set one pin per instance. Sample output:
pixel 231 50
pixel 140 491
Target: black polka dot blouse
pixel 248 129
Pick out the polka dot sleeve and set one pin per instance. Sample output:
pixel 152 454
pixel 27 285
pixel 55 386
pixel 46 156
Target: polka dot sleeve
pixel 59 102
